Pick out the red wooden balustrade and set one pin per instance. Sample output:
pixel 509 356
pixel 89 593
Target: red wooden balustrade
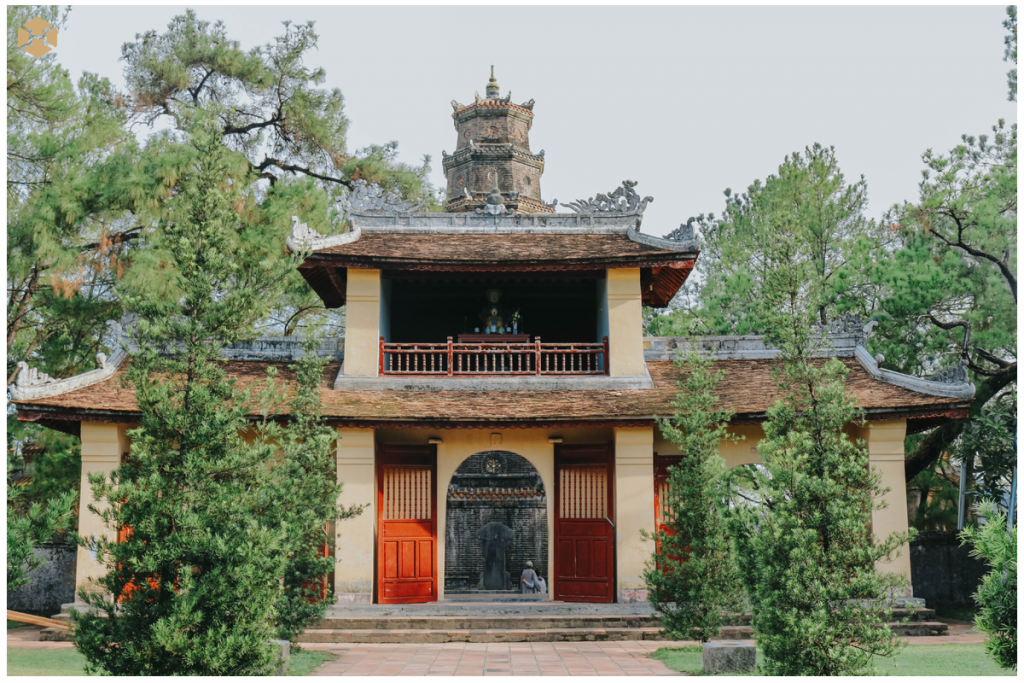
pixel 484 359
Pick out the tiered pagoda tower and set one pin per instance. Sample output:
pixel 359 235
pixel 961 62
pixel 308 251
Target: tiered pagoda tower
pixel 494 140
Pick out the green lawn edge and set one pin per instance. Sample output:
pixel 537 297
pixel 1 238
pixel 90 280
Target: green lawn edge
pixel 69 662
pixel 945 659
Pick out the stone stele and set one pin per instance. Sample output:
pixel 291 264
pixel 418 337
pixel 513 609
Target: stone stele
pixel 725 656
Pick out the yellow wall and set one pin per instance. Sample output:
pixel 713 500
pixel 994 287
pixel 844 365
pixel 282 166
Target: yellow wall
pixel 885 449
pixel 354 538
pixel 625 323
pixel 102 446
pixel 362 323
pixel 634 509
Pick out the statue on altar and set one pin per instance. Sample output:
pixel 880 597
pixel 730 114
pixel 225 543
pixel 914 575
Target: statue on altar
pixel 492 315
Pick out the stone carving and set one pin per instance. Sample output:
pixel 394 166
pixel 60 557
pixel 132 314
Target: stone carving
pixel 30 377
pixel 624 199
pixel 372 197
pixel 495 538
pixel 302 232
pixel 954 374
pixel 849 323
pixel 684 233
pixel 528 105
pixel 456 106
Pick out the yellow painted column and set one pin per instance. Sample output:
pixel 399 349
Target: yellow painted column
pixel 354 543
pixel 634 509
pixel 885 449
pixel 102 446
pixel 362 323
pixel 625 323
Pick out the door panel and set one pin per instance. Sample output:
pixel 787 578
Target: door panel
pixel 661 510
pixel 407 524
pixel 584 535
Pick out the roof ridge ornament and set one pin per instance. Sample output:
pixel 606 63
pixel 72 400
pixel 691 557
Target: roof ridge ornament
pixel 372 197
pixel 623 198
pixel 495 202
pixel 684 233
pixel 492 86
pixel 33 384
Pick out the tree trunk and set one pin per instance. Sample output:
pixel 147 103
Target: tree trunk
pixel 933 445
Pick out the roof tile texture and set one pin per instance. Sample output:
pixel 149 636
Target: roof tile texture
pixel 499 248
pixel 746 387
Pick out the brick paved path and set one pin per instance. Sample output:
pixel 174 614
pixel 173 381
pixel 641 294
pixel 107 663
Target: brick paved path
pixel 614 658
pixel 617 658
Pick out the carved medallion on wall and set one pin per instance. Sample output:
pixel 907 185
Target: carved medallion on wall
pixel 495 464
pixel 519 135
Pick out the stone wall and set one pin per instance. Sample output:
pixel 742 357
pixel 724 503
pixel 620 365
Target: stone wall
pixel 510 493
pixel 942 570
pixel 50 585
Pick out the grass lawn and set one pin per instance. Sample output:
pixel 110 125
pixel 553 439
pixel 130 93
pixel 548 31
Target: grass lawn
pixel 68 662
pixel 915 660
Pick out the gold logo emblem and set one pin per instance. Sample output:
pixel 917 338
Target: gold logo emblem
pixel 40 38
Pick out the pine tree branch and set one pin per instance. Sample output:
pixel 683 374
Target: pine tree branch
pixel 939 440
pixel 1003 266
pixel 268 162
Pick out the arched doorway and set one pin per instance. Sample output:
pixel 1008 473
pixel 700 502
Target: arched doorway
pixel 496 521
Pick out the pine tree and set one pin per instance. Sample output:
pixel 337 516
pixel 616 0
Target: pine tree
pixel 307 494
pixel 805 549
pixel 692 576
pixel 193 587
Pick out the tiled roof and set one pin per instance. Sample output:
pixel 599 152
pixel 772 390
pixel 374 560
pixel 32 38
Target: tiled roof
pixel 492 104
pixel 747 388
pixel 498 248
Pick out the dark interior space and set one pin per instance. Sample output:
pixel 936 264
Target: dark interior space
pixel 430 309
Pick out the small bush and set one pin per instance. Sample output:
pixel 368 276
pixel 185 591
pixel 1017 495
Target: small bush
pixel 997 595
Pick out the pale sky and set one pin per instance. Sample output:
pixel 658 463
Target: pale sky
pixel 685 100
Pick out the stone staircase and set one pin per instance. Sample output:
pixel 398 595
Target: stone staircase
pixel 504 622
pixel 58 634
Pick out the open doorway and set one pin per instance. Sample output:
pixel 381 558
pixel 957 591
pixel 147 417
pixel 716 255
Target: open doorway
pixel 496 527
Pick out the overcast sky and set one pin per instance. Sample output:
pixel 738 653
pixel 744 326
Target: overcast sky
pixel 686 100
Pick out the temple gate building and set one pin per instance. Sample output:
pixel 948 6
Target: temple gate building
pixel 494 356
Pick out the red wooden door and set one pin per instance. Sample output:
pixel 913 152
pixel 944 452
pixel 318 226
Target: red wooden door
pixel 584 534
pixel 661 511
pixel 406 524
pixel 661 465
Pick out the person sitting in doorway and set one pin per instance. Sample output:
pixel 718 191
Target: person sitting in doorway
pixel 530 582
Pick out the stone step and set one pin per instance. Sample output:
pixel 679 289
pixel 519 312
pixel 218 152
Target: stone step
pixel 541 635
pixel 471 622
pixel 56 634
pixel 476 635
pixel 898 614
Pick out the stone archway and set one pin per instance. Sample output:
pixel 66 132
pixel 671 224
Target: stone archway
pixel 492 492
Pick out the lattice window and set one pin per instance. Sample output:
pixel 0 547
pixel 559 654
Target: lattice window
pixel 407 492
pixel 583 492
pixel 662 513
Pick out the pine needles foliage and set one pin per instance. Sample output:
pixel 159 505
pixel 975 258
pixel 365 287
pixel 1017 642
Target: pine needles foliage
pixel 692 577
pixel 214 510
pixel 997 595
pixel 804 544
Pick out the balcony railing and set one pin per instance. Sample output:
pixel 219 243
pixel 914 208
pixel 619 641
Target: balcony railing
pixel 488 359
